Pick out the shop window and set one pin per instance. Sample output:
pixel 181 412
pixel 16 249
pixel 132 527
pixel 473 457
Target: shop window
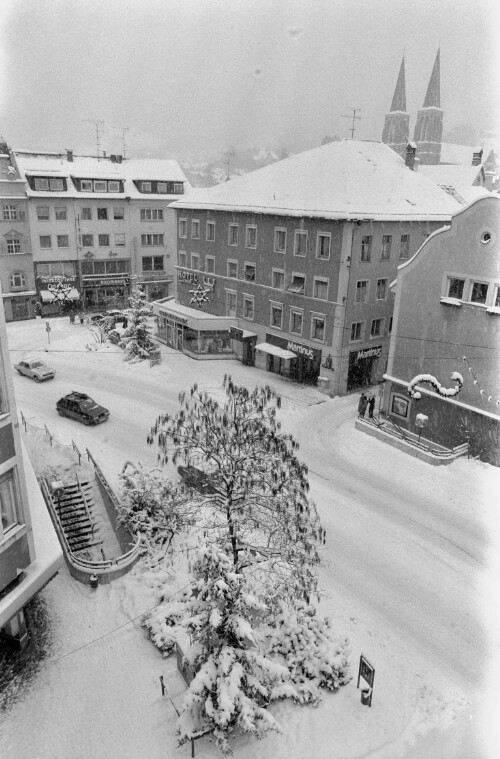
pixel 195 229
pixel 361 290
pixel 99 267
pixel 43 213
pixel 356 331
pixel 118 213
pixel 232 269
pixel 386 247
pixel 210 231
pixel 62 241
pixel 318 327
pixel 119 239
pixel 123 265
pixel 276 315
pixel 210 264
pixel 297 284
pixel 300 243
pixel 61 214
pixel 14 245
pixel 382 289
pixel 400 406
pixel 231 303
pixel 296 321
pixel 233 234
pixel 195 261
pixel 366 248
pixel 17 279
pixel 321 288
pixel 455 287
pixel 8 503
pixel 250 272
pixel 279 240
pixel 278 279
pixel 182 259
pixel 248 307
pixel 86 214
pixel 45 241
pixel 404 246
pixel 86 268
pixel 251 237
pixel 376 328
pixel 102 214
pixel 183 228
pixel 479 292
pixel 88 241
pixel 323 246
pixel 104 241
pixel 111 267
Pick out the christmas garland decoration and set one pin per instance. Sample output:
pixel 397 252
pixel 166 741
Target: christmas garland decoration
pixel 446 392
pixel 482 391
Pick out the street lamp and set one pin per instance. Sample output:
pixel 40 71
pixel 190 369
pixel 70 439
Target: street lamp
pixel 421 421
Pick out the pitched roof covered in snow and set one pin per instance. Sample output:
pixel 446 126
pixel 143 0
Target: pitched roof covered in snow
pixel 457 175
pixel 349 179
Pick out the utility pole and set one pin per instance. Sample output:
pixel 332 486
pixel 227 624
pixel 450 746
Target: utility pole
pixel 122 130
pixel 97 133
pixel 354 118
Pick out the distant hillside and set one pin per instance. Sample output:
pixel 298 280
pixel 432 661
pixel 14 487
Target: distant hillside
pixel 214 170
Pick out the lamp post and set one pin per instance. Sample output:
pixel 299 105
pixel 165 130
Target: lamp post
pixel 421 421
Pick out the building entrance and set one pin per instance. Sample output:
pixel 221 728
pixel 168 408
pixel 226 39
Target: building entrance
pixel 362 365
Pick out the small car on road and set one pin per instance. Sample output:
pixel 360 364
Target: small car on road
pixel 36 369
pixel 81 407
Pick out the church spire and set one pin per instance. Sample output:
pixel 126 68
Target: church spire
pixel 399 98
pixel 429 127
pixel 432 98
pixel 397 121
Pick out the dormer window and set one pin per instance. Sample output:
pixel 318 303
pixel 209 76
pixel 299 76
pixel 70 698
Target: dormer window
pixel 41 183
pixel 114 186
pixel 145 186
pixel 162 187
pixel 100 186
pixel 86 185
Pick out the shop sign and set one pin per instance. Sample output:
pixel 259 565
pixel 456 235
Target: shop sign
pixel 369 353
pixel 87 282
pixel 236 334
pixel 297 348
pixel 187 276
pixel 51 283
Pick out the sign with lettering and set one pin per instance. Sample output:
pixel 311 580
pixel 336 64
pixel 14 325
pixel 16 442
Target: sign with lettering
pixel 183 275
pixel 50 283
pixel 298 348
pixel 369 353
pixel 103 282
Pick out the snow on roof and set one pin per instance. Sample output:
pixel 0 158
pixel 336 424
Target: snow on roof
pixel 452 174
pixel 343 179
pixel 91 167
pixel 463 153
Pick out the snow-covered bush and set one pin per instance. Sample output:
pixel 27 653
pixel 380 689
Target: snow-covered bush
pixel 137 339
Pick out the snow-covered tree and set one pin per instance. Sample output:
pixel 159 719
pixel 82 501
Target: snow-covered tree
pixel 259 510
pixel 137 339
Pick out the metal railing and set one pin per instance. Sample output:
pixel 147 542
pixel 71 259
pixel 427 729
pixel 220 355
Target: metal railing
pixel 396 431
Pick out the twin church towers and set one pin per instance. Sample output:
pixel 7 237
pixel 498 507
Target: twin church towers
pixel 429 127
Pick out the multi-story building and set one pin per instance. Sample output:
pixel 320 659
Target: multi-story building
pixel 95 223
pixel 447 322
pixel 16 262
pixel 30 553
pixel 291 265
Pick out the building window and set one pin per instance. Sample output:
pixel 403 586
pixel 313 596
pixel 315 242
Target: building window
pixel 17 279
pixel 249 272
pixel 230 303
pixel 41 183
pixel 280 240
pixel 496 302
pixel 404 246
pixel 361 290
pixel 390 324
pixel 248 307
pixel 298 283
pixel 118 213
pixel 210 264
pixel 152 263
pixel 151 240
pixel 61 214
pixel 386 247
pixel 323 246
pixel 178 188
pixel 296 320
pixel 251 237
pixel 88 241
pixel 195 261
pixel 366 248
pixel 62 241
pixel 8 503
pixel 45 241
pixel 381 289
pixel 300 243
pixel 278 279
pixel 182 259
pixel 104 241
pixel 43 213
pixel 145 186
pixel 102 214
pixel 376 328
pixel 321 288
pixel 210 231
pixel 400 406
pixel 232 269
pixel 100 186
pixel 119 239
pixel 9 212
pixel 356 328
pixel 162 187
pixel 183 225
pixel 86 185
pixel 456 288
pixel 318 327
pixel 195 229
pixel 233 234
pixel 14 245
pixel 276 315
pixel 86 214
pixel 479 291
pixel 113 186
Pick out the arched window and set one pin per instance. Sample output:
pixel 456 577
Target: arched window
pixel 17 279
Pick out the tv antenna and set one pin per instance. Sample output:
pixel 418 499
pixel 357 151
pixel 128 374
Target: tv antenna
pixel 97 133
pixel 122 130
pixel 354 118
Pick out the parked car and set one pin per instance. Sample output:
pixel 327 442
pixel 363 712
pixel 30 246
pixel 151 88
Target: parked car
pixel 95 318
pixel 79 406
pixel 36 369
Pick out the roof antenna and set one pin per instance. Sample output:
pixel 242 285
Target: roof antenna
pixel 354 118
pixel 122 130
pixel 97 134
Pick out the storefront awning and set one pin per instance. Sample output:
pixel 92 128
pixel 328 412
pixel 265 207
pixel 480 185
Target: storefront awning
pixel 21 294
pixel 48 296
pixel 274 350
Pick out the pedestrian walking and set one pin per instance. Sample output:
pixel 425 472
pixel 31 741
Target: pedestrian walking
pixel 363 403
pixel 162 685
pixel 371 406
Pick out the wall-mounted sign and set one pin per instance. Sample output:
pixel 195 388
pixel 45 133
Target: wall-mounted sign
pixel 103 282
pixel 298 348
pixel 369 352
pixel 50 283
pixel 183 275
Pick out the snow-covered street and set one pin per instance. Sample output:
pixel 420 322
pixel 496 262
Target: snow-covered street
pixel 408 576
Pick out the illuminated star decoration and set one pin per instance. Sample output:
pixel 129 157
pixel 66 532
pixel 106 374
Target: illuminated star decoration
pixel 60 291
pixel 200 295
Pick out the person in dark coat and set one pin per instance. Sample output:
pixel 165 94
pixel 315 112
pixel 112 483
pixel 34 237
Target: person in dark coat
pixel 371 406
pixel 363 403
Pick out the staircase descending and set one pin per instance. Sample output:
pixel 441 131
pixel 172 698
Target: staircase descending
pixel 74 505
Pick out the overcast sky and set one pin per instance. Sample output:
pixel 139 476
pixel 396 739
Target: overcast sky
pixel 186 76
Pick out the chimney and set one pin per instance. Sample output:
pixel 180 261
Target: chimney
pixel 477 157
pixel 119 158
pixel 112 158
pixel 69 155
pixel 410 154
